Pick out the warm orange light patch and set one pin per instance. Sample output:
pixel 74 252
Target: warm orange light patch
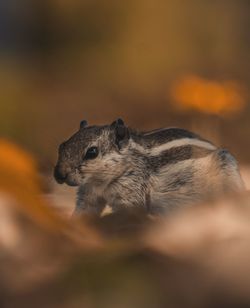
pixel 196 93
pixel 19 180
pixel 15 159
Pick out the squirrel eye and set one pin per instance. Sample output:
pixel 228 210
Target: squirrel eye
pixel 91 153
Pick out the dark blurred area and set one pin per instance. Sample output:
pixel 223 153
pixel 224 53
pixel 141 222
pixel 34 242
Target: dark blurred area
pixel 161 63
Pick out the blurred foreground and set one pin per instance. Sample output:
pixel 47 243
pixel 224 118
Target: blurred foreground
pixel 198 257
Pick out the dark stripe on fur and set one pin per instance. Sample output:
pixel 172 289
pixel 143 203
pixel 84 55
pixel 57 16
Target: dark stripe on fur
pixel 176 155
pixel 158 137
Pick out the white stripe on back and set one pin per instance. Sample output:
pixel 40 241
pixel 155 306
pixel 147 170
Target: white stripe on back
pixel 157 150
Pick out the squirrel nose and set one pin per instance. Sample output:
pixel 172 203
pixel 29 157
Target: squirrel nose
pixel 59 175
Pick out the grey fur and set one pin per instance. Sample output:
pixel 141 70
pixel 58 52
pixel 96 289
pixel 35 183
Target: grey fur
pixel 158 170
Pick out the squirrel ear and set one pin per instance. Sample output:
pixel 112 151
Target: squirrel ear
pixel 121 132
pixel 117 122
pixel 83 123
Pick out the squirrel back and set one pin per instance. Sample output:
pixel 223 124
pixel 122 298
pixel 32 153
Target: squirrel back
pixel 157 170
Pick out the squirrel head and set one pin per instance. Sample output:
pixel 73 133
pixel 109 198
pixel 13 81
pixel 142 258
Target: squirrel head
pixel 92 153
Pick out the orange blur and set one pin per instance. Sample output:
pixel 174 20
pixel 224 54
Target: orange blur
pixel 207 96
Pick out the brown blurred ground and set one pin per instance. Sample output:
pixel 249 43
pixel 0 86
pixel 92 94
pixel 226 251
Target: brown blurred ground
pixel 196 257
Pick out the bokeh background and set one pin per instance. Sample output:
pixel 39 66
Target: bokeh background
pixel 154 63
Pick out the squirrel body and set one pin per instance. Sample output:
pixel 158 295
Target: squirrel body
pixel 158 171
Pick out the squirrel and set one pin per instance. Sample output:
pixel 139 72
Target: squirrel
pixel 158 171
